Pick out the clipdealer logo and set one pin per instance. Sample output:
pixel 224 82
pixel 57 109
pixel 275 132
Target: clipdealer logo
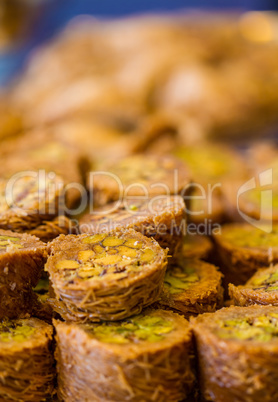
pixel 265 179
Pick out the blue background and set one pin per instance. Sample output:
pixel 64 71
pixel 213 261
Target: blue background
pixel 53 15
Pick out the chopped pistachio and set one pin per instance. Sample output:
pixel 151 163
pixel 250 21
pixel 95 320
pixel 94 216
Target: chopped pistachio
pixel 108 260
pixel 18 333
pixel 98 249
pixel 67 264
pixel 94 239
pixel 147 255
pixel 179 279
pixel 85 255
pixel 136 329
pixel 262 329
pixel 112 241
pixel 133 243
pixel 127 251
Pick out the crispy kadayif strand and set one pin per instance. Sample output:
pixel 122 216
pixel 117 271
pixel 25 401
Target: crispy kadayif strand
pixel 26 361
pixel 147 357
pixel 22 259
pixel 162 218
pixel 49 230
pixel 238 353
pixel 107 276
pixel 262 289
pixel 192 287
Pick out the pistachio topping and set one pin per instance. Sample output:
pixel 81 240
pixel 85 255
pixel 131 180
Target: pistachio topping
pixel 15 332
pixel 108 255
pixel 267 282
pixel 30 194
pixel 214 159
pixel 178 279
pixel 140 328
pixel 9 241
pixel 262 329
pixel 251 237
pixel 130 169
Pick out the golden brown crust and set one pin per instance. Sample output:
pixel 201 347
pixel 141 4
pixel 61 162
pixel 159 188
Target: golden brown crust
pixel 21 264
pixel 240 261
pixel 38 149
pixel 49 230
pixel 146 371
pixel 27 200
pixel 108 291
pixel 27 365
pixel 251 372
pixel 260 289
pixel 192 287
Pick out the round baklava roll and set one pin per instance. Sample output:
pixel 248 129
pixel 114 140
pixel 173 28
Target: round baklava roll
pixel 27 362
pixel 145 358
pixel 237 350
pixel 243 249
pixel 262 288
pixel 106 276
pixel 138 176
pixel 162 218
pixel 192 287
pixel 28 200
pixel 22 259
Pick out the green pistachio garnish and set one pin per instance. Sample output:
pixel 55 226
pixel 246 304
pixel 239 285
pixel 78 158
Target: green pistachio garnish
pixel 267 282
pixel 108 255
pixel 214 160
pixel 133 330
pixel 261 329
pixel 12 332
pixel 179 279
pixel 252 237
pixel 9 241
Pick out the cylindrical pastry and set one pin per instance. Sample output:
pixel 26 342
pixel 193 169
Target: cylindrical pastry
pixel 27 363
pixel 237 350
pixel 262 288
pixel 38 149
pixel 243 249
pixel 145 358
pixel 22 259
pixel 106 276
pixel 138 176
pixel 28 200
pixel 162 218
pixel 192 287
pixel 221 165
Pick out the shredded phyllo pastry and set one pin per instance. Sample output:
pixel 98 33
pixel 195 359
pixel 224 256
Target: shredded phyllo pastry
pixel 26 360
pixel 246 338
pixel 143 357
pixel 107 276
